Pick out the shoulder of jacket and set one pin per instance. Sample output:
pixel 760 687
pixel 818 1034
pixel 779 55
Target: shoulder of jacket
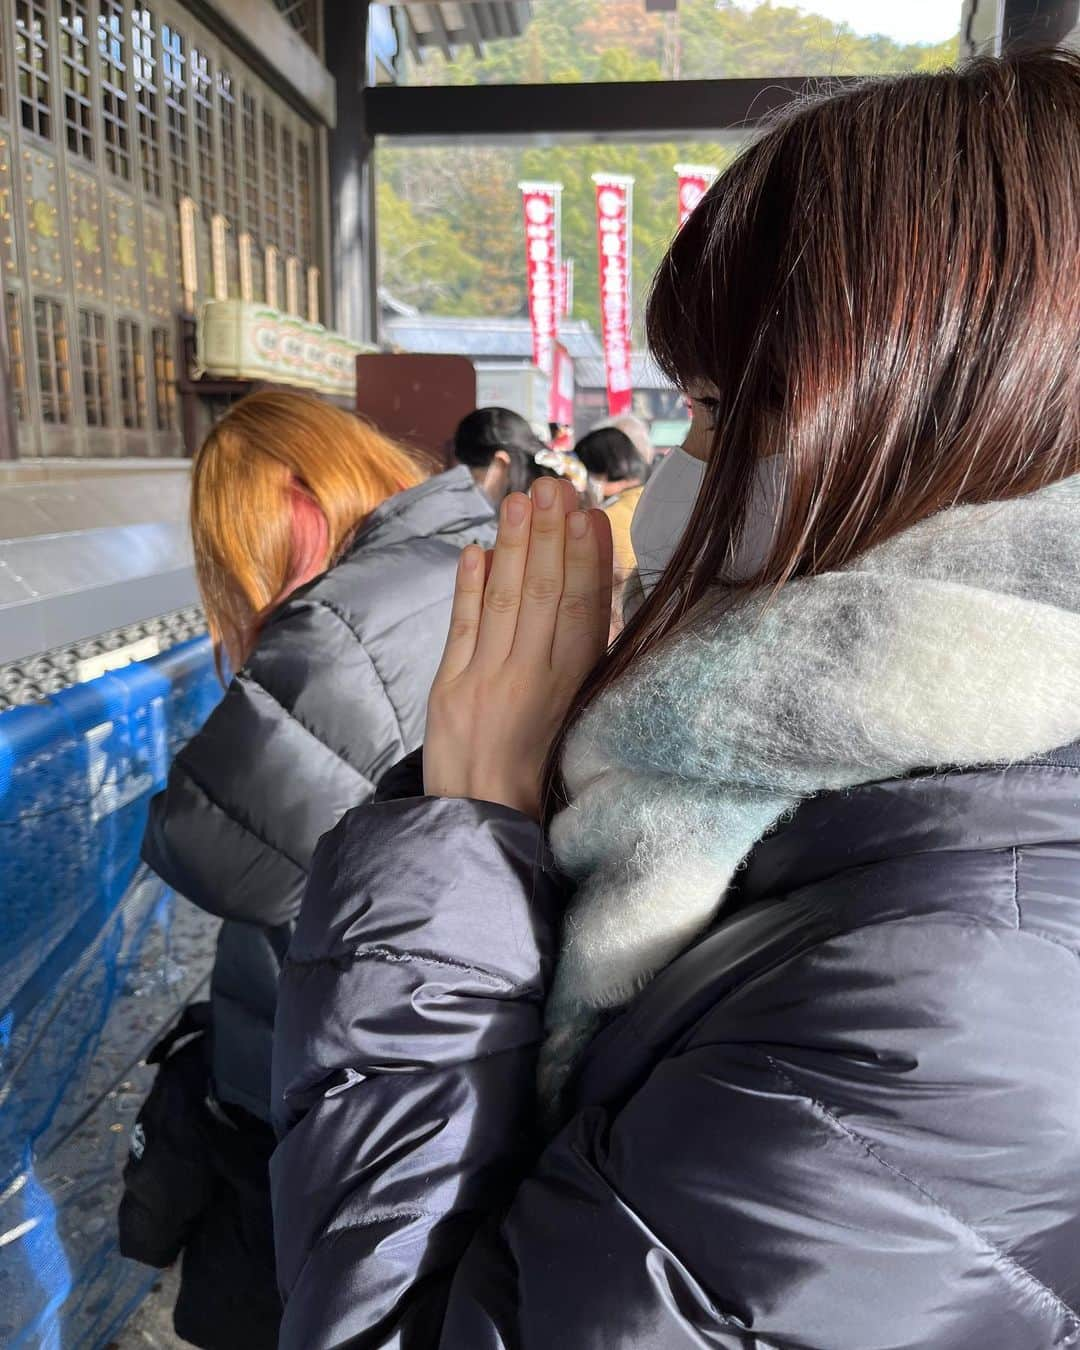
pixel 346 594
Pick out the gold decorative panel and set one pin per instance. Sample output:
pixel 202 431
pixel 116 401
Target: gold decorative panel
pixel 123 250
pixel 203 260
pixel 45 239
pixel 114 115
pixel 176 277
pixel 258 275
pixel 8 264
pixel 161 267
pixel 87 243
pixel 232 257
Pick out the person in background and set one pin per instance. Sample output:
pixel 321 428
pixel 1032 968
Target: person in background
pixel 731 987
pixel 560 436
pixel 638 432
pixel 498 447
pixel 325 557
pixel 619 471
pixel 505 455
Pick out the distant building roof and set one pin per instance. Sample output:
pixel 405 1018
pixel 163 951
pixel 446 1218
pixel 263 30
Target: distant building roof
pixel 499 339
pixel 589 373
pixel 507 340
pixel 447 26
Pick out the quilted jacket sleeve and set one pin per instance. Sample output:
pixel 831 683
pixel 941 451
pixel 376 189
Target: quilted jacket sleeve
pixel 284 755
pixel 786 1174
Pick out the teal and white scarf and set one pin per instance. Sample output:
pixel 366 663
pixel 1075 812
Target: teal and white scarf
pixel 955 644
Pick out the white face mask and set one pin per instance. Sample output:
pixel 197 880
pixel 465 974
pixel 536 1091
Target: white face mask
pixel 664 509
pixel 662 513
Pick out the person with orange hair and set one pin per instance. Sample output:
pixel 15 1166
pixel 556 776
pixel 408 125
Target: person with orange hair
pixel 325 557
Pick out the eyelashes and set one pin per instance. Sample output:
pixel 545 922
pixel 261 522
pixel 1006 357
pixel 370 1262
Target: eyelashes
pixel 710 408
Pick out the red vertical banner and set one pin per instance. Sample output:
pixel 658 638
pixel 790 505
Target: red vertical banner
pixel 614 206
pixel 541 203
pixel 694 181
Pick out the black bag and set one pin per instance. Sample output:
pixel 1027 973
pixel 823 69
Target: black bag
pixel 197 1180
pixel 168 1179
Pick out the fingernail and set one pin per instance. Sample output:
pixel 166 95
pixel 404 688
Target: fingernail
pixel 515 509
pixel 470 560
pixel 577 524
pixel 544 492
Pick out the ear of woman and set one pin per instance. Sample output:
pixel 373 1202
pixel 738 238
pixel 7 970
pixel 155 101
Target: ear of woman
pixel 309 542
pixel 493 483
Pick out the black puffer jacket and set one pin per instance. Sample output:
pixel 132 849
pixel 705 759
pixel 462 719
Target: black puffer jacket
pixel 334 693
pixel 846 1119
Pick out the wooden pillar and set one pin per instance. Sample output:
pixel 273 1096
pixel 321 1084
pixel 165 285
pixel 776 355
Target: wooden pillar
pixel 351 186
pixel 9 442
pixel 1031 25
pixel 1001 27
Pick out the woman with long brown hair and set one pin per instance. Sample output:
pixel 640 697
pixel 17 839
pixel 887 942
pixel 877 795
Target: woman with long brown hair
pixel 326 557
pixel 725 987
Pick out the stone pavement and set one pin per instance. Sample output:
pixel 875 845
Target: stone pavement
pixel 151 1328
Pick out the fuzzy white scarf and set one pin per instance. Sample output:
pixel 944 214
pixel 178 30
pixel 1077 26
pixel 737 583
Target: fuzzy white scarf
pixel 957 643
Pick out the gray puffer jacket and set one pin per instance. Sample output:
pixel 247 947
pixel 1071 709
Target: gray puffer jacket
pixel 846 1118
pixel 334 693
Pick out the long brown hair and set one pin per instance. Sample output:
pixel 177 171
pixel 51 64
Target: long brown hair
pixel 277 491
pixel 884 290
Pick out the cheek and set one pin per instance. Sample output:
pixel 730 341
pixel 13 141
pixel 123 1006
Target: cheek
pixel 698 442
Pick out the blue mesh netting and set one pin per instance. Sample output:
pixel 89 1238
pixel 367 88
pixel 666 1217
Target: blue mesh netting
pixel 96 958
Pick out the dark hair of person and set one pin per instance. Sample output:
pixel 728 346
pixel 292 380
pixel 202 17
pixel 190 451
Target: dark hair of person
pixel 523 471
pixel 883 289
pixel 485 431
pixel 609 453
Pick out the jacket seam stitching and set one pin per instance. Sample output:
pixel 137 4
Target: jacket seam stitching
pixel 1016 887
pixel 339 614
pixel 589 1160
pixel 371 1220
pixel 386 956
pixel 1044 1293
pixel 947 918
pixel 1024 766
pixel 342 614
pixel 1019 766
pixel 772 896
pixel 240 824
pixel 634 1015
pixel 1053 941
pixel 428 488
pixel 937 917
pixel 250 679
pixel 392 628
pixel 689 1037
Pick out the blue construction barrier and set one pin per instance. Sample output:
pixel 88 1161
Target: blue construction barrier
pixel 96 959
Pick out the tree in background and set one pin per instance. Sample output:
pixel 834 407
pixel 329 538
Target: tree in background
pixel 450 234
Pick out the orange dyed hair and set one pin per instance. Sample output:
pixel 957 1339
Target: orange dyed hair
pixel 278 490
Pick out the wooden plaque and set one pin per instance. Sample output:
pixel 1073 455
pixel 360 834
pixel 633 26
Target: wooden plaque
pixel 416 399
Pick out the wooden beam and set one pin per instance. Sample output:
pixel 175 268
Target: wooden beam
pixel 650 110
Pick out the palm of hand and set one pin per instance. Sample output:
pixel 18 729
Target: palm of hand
pixel 529 621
